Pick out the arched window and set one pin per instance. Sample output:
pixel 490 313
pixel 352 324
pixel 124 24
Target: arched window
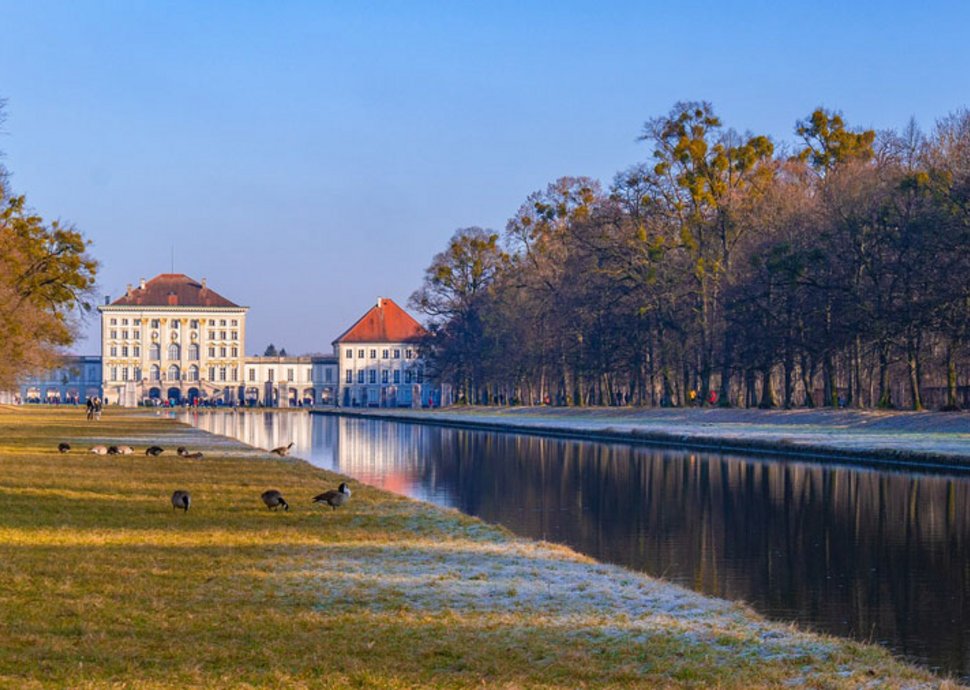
pixel 155 373
pixel 155 351
pixel 193 373
pixel 194 352
pixel 174 351
pixel 173 373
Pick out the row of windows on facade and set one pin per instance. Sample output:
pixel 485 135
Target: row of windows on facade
pixel 173 373
pixel 385 354
pixel 136 335
pixel 174 351
pixel 271 374
pixel 409 376
pixel 175 323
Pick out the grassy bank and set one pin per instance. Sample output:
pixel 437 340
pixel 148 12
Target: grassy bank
pixel 104 584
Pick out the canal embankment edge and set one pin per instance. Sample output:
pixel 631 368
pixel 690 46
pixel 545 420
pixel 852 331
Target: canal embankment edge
pixel 825 439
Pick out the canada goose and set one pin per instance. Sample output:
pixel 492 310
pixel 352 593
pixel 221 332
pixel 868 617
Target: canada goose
pixel 282 451
pixel 64 447
pixel 274 499
pixel 181 450
pixel 154 451
pixel 181 499
pixel 100 450
pixel 192 456
pixel 334 498
pixel 125 450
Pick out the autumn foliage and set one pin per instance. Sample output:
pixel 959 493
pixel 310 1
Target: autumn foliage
pixel 727 269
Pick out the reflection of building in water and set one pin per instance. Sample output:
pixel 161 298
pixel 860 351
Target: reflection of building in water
pixel 264 430
pixel 389 455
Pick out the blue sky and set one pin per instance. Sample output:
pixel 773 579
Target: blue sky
pixel 307 157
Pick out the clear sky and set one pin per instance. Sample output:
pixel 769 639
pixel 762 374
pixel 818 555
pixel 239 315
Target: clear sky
pixel 308 157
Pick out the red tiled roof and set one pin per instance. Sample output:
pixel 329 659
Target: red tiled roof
pixel 172 290
pixel 384 323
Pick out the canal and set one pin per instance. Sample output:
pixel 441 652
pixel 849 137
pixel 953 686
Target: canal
pixel 873 554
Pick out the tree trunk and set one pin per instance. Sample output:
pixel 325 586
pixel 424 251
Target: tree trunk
pixel 857 363
pixel 951 378
pixel 724 397
pixel 808 380
pixel 830 388
pixel 912 359
pixel 750 391
pixel 885 394
pixel 767 392
pixel 789 366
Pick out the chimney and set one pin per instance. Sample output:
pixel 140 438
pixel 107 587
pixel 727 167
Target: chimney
pixel 379 300
pixel 128 290
pixel 203 283
pixel 141 284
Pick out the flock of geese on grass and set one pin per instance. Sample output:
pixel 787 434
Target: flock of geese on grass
pixel 183 499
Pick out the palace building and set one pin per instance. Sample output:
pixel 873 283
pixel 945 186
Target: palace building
pixel 173 339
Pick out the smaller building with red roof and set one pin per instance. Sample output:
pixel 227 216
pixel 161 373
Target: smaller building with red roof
pixel 379 359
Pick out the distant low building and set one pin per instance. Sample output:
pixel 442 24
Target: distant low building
pixel 290 381
pixel 379 360
pixel 77 379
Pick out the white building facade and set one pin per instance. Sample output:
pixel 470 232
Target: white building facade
pixel 172 338
pixel 290 381
pixel 379 362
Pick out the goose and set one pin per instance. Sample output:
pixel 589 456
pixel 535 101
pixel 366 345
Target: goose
pixel 274 499
pixel 64 447
pixel 192 456
pixel 100 450
pixel 125 450
pixel 334 498
pixel 154 451
pixel 181 499
pixel 282 451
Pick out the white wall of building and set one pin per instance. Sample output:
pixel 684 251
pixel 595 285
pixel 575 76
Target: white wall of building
pixel 379 375
pixel 165 352
pixel 289 381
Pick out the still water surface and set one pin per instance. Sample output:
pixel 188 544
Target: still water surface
pixel 868 553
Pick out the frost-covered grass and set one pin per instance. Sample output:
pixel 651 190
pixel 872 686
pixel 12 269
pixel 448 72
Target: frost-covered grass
pixel 935 435
pixel 104 585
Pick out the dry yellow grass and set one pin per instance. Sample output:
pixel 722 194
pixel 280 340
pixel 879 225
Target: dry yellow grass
pixel 103 584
